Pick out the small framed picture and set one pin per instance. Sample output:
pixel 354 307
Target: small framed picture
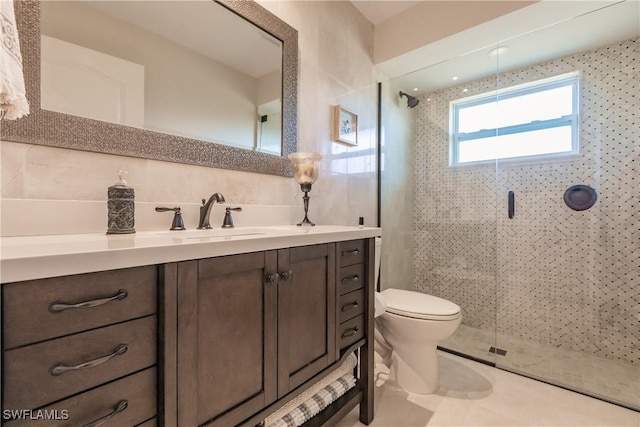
pixel 345 126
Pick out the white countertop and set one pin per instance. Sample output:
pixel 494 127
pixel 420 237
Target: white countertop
pixel 37 257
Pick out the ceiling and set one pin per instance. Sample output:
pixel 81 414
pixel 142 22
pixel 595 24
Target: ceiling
pixel 530 39
pixel 378 11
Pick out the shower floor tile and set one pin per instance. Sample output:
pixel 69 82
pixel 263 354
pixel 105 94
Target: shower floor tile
pixel 474 394
pixel 608 379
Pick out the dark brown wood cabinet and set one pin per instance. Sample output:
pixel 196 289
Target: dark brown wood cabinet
pixel 306 320
pixel 80 348
pixel 251 328
pixel 352 277
pixel 226 338
pixel 222 341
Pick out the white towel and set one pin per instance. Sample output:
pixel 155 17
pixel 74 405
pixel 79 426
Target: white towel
pixel 13 99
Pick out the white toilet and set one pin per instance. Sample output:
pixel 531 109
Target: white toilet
pixel 413 323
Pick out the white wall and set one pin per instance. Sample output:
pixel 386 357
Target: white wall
pixel 269 87
pixel 397 188
pixel 186 93
pixel 335 67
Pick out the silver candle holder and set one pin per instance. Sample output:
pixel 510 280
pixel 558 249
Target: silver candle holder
pixel 305 172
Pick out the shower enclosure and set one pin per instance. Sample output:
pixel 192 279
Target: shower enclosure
pixel 530 224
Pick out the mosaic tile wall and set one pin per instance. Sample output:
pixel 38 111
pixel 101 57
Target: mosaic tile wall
pixel 551 275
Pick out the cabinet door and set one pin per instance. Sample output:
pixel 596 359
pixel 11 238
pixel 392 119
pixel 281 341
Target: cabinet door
pixel 226 338
pixel 306 314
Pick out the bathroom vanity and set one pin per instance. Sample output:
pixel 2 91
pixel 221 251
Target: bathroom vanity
pixel 184 328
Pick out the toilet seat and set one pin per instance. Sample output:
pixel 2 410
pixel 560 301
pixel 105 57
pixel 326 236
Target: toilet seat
pixel 419 306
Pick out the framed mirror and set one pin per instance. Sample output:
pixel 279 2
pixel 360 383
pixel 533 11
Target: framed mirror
pixel 129 78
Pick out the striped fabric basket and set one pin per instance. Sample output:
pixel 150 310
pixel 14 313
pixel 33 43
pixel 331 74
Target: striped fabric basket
pixel 324 392
pixel 316 403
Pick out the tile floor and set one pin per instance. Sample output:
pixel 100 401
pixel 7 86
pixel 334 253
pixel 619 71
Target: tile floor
pixel 610 379
pixel 474 394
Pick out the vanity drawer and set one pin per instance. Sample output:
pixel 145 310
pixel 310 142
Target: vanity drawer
pixel 153 422
pixel 29 314
pixel 351 304
pixel 350 252
pixel 138 391
pixel 350 331
pixel 350 278
pixel 26 367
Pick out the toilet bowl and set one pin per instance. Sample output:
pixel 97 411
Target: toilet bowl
pixel 409 328
pixel 413 324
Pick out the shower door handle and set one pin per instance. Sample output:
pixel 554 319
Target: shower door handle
pixel 512 204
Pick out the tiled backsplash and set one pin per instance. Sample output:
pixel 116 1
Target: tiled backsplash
pixel 335 67
pixel 32 217
pixel 551 275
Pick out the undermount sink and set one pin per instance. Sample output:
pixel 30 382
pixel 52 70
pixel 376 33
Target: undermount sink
pixel 213 233
pixel 240 232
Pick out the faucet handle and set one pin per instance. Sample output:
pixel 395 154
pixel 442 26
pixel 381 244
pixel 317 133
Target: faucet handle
pixel 228 221
pixel 178 222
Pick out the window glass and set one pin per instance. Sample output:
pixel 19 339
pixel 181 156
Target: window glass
pixel 544 141
pixel 537 119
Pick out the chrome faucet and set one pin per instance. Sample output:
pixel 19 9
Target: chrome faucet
pixel 205 210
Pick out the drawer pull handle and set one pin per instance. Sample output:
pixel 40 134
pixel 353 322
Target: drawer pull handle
pixel 350 306
pixel 350 332
pixel 61 369
pixel 121 406
pixel 353 278
pixel 59 306
pixel 350 253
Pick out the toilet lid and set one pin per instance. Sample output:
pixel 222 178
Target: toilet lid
pixel 419 305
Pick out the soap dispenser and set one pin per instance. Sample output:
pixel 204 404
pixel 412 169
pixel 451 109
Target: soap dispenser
pixel 120 207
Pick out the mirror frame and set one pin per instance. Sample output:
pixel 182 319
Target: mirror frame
pixel 54 129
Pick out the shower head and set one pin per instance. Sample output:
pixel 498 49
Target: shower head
pixel 412 101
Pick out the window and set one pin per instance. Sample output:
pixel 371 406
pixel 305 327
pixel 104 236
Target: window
pixel 535 121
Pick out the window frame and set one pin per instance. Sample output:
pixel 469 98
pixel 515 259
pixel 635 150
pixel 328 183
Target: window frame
pixel 455 138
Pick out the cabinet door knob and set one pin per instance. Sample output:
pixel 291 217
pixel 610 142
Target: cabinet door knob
pixel 61 369
pixel 121 406
pixel 59 306
pixel 273 278
pixel 286 275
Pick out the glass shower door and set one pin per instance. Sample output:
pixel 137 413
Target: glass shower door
pixel 453 224
pixel 568 257
pixel 546 271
